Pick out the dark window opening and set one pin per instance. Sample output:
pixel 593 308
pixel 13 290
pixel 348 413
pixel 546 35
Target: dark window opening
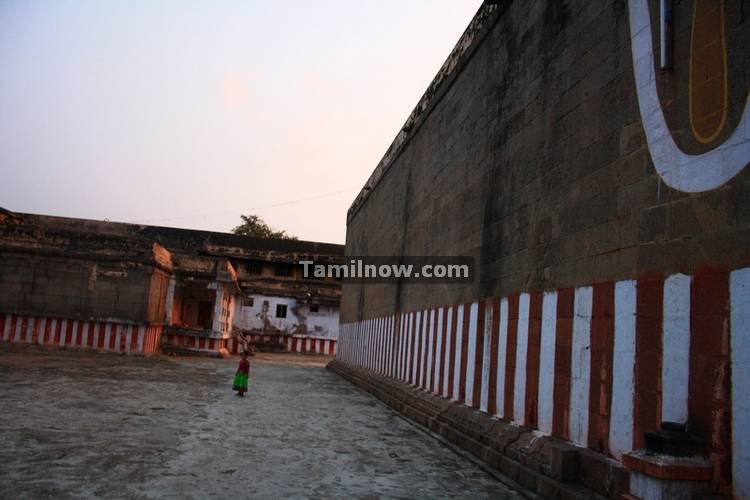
pixel 283 270
pixel 314 308
pixel 280 310
pixel 249 302
pixel 254 267
pixel 204 314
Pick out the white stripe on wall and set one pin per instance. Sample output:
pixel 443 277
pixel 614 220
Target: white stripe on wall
pixel 676 348
pixel 384 347
pixel 402 346
pixel 128 339
pixel 547 362
pixel 447 353
pixel 381 345
pixel 439 351
pixel 580 376
pixel 522 348
pixel 391 343
pixel 423 350
pixel 471 352
pixel 141 334
pixel 6 327
pixel 85 337
pixel 63 329
pixel 623 370
pixel 30 330
pixel 739 293
pixel 484 394
pixel 107 335
pixel 459 340
pixel 502 348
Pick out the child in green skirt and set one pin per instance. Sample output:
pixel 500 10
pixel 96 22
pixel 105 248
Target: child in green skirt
pixel 240 378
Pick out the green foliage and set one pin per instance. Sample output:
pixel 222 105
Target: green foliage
pixel 252 225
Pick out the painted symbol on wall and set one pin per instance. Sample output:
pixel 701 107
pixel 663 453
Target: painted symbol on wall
pixel 707 102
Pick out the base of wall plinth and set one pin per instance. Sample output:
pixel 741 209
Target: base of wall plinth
pixel 544 465
pixel 664 477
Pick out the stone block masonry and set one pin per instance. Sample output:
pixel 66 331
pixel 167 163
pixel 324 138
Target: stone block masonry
pixel 603 199
pixel 596 366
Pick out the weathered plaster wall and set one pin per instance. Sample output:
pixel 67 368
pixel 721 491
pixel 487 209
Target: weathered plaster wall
pixel 533 160
pixel 322 324
pixel 78 288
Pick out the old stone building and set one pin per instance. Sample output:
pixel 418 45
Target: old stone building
pixel 591 157
pixel 138 289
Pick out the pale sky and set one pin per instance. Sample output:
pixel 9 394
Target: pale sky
pixel 188 114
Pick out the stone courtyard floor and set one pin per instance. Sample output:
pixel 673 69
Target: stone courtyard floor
pixel 85 425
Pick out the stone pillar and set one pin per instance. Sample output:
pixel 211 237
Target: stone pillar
pixel 218 301
pixel 169 305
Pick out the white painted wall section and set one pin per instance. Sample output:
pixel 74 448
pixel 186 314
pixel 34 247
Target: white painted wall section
pixel 522 348
pixel 471 352
pixel 502 351
pixel 623 370
pixel 459 347
pixel 675 368
pixel 578 423
pixel 547 362
pixel 739 293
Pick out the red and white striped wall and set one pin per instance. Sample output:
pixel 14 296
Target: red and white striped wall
pixel 235 346
pixel 291 344
pixel 596 365
pixel 311 345
pixel 102 336
pixel 213 346
pixel 194 342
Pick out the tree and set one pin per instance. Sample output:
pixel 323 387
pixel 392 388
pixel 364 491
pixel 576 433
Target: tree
pixel 252 225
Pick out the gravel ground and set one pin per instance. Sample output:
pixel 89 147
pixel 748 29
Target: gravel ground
pixel 91 425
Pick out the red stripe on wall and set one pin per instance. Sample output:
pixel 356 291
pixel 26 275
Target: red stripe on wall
pixel 90 336
pixel 58 331
pixel 12 332
pixel 35 331
pixel 102 330
pixel 709 385
pixel 134 338
pixel 532 360
pixel 47 331
pixel 464 353
pixel 478 357
pixel 648 357
pixel 69 333
pixel 602 344
pixel 79 334
pixel 563 351
pixel 510 356
pixel 443 341
pixel 494 342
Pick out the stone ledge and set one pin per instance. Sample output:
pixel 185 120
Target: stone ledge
pixel 545 465
pixel 666 467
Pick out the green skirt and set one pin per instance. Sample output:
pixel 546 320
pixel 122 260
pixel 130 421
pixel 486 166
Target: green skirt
pixel 240 381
